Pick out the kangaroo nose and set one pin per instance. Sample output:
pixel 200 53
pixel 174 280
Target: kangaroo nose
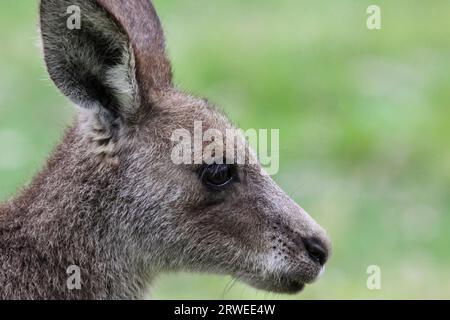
pixel 316 249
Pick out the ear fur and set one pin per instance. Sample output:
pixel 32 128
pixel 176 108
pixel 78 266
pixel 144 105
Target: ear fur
pixel 114 64
pixel 143 27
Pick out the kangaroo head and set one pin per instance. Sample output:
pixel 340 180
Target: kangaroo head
pixel 217 216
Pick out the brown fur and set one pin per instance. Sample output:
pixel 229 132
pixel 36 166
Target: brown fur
pixel 111 201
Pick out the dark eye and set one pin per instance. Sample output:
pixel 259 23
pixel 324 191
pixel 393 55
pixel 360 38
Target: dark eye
pixel 217 176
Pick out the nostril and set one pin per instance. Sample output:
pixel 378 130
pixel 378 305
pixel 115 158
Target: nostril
pixel 316 250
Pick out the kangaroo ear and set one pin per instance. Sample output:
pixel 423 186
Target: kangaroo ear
pixel 106 55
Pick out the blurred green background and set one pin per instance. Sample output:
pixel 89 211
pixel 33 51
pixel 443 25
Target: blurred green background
pixel 364 119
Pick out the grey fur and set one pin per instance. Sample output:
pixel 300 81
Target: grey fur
pixel 111 201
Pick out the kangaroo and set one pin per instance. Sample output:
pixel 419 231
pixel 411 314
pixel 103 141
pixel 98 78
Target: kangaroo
pixel 110 200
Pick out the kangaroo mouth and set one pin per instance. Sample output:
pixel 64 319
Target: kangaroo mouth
pixel 286 285
pixel 293 287
pixel 284 282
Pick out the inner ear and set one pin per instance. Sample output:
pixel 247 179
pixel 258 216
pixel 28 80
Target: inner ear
pixel 94 73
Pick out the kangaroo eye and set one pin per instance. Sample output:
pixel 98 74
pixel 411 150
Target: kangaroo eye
pixel 217 176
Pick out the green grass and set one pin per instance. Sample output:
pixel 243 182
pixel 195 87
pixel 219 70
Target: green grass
pixel 364 119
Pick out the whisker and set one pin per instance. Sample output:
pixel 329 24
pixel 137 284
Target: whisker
pixel 228 287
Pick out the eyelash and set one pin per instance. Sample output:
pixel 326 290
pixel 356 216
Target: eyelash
pixel 209 173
